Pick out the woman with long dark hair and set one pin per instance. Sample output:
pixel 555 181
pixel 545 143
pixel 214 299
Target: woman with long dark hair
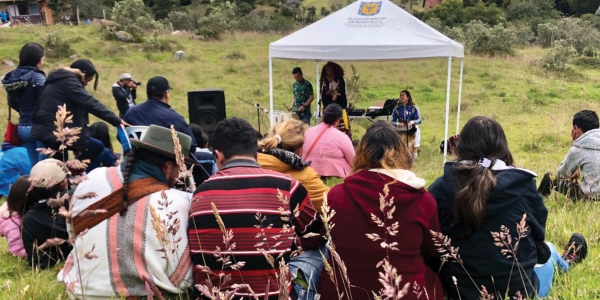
pixel 382 164
pixel 406 115
pixel 24 86
pixel 333 86
pixel 106 158
pixel 333 90
pixel 481 198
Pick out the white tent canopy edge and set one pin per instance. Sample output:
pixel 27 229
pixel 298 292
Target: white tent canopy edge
pixel 369 31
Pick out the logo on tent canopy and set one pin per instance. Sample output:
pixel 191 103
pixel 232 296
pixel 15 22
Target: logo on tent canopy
pixel 369 8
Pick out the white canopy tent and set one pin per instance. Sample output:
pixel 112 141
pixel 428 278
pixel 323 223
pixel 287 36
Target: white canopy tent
pixel 369 31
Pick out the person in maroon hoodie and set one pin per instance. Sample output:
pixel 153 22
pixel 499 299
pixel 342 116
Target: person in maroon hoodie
pixel 383 159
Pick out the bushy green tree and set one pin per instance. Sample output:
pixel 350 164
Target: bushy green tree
pixel 452 13
pixel 134 16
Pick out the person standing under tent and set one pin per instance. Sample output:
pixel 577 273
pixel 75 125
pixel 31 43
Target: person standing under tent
pixel 303 96
pixel 406 114
pixel 333 90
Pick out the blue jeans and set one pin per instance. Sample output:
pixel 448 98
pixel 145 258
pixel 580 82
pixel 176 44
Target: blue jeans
pixel 31 145
pixel 310 263
pixel 304 117
pixel 545 272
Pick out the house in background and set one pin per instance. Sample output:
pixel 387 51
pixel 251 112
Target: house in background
pixel 28 11
pixel 431 3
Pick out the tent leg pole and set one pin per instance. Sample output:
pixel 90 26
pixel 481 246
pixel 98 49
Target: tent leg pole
pixel 318 91
pixel 447 108
pixel 460 83
pixel 270 91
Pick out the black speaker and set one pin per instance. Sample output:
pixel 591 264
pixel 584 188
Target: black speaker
pixel 206 108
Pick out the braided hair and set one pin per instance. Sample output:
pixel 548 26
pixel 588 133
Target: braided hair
pixel 152 158
pixel 131 157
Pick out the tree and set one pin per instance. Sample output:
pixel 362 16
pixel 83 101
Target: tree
pixel 59 7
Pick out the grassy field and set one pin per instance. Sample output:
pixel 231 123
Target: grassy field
pixel 534 107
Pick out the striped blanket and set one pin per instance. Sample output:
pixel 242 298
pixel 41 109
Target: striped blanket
pixel 137 254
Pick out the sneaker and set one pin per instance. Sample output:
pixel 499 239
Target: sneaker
pixel 575 250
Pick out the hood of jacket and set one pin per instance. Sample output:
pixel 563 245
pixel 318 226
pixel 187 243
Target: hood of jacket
pixel 62 73
pixel 510 183
pixel 20 77
pixel 365 187
pixel 589 140
pixel 280 160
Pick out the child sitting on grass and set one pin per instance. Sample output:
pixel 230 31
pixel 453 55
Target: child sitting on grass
pixel 11 213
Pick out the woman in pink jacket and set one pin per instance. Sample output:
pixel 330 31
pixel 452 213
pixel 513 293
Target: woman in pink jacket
pixel 329 150
pixel 11 213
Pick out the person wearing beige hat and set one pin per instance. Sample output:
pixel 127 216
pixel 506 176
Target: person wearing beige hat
pixel 135 222
pixel 41 222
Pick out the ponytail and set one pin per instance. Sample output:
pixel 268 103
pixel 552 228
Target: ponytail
pixel 288 135
pixel 470 201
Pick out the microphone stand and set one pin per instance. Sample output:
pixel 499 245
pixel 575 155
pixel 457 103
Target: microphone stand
pixel 258 110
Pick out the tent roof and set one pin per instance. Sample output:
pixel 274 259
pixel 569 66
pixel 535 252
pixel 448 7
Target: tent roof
pixel 366 31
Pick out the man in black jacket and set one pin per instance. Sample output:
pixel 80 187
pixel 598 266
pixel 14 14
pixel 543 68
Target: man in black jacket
pixel 66 86
pixel 124 92
pixel 157 111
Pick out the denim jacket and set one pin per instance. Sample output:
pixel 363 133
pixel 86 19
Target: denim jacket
pixel 24 86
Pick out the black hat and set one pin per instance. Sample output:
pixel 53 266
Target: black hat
pixel 87 68
pixel 157 84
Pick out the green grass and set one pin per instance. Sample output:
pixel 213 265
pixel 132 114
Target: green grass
pixel 534 107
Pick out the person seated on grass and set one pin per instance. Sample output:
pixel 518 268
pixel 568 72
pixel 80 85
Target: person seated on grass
pixel 452 141
pixel 582 160
pixel 129 225
pixel 11 213
pixel 280 151
pixel 107 158
pixel 383 163
pixel 14 163
pixel 203 155
pixel 257 204
pixel 329 150
pixel 481 199
pixel 44 230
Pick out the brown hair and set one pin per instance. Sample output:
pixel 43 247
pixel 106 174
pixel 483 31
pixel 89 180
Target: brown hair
pixel 382 147
pixel 482 137
pixel 17 197
pixel 291 132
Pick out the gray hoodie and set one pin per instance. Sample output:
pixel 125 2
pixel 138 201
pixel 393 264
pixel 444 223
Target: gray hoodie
pixel 585 156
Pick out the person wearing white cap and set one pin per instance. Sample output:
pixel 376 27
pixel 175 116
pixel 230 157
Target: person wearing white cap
pixel 41 222
pixel 124 92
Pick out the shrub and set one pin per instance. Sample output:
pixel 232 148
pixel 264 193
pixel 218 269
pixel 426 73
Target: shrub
pixel 57 47
pixel 533 12
pixel 482 39
pixel 452 13
pixel 587 62
pixel 159 43
pixel 134 16
pixel 183 20
pixel 218 20
pixel 436 24
pixel 235 55
pixel 522 33
pixel 559 56
pixel 593 19
pixel 579 33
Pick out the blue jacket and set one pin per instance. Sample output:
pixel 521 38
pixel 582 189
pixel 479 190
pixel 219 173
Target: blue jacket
pixel 14 163
pixel 156 112
pixel 105 159
pixel 24 86
pixel 207 163
pixel 3 16
pixel 406 113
